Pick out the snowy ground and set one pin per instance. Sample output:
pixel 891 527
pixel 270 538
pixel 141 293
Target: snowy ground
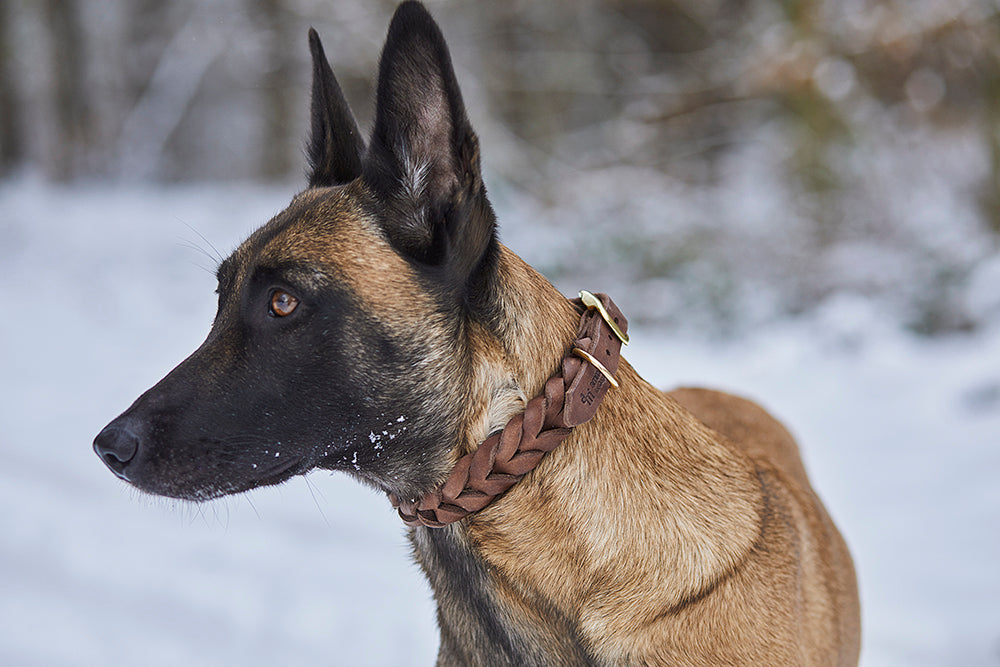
pixel 103 294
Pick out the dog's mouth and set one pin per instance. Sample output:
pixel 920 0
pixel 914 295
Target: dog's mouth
pixel 201 493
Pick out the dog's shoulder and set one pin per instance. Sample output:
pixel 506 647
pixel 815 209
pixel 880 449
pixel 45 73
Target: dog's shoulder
pixel 747 426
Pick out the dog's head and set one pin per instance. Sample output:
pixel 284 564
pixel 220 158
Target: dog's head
pixel 341 338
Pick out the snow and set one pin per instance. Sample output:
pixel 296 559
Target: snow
pixel 106 292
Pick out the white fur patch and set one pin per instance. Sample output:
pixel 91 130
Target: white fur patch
pixel 414 176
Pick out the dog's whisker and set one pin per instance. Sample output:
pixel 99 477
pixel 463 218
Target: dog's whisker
pixel 252 506
pixel 217 258
pixel 200 250
pixel 312 492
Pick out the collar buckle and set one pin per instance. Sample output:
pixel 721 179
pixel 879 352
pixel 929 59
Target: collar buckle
pixel 593 303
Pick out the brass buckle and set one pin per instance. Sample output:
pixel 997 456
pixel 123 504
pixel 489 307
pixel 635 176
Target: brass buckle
pixel 593 303
pixel 598 365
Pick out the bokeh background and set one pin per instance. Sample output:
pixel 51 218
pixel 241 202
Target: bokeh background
pixel 795 199
pixel 743 159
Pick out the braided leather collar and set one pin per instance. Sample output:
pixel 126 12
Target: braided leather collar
pixel 570 398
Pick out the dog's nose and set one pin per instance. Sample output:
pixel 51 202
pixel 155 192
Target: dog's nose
pixel 117 444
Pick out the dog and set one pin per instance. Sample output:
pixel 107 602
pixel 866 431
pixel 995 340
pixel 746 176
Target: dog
pixel 564 510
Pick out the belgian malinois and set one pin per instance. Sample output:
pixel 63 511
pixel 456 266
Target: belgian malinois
pixel 378 327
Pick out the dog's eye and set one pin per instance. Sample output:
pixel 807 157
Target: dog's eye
pixel 282 304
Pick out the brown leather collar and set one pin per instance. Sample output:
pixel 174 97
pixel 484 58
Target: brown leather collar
pixel 570 398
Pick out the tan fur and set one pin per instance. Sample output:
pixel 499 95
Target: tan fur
pixel 328 233
pixel 673 528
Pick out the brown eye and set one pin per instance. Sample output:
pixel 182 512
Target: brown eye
pixel 282 304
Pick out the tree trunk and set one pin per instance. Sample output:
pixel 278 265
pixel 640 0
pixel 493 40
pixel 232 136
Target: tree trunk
pixel 11 119
pixel 68 96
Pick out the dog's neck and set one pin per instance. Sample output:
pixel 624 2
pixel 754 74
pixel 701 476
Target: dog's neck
pixel 532 327
pixel 570 398
pixel 581 525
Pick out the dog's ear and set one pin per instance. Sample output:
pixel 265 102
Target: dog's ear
pixel 423 158
pixel 335 144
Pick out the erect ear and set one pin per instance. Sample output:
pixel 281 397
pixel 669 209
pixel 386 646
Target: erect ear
pixel 423 159
pixel 335 145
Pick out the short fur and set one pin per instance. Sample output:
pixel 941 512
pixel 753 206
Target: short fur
pixel 675 528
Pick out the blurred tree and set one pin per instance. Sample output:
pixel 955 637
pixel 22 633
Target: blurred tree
pixel 72 129
pixel 989 70
pixel 277 88
pixel 149 27
pixel 793 148
pixel 11 120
